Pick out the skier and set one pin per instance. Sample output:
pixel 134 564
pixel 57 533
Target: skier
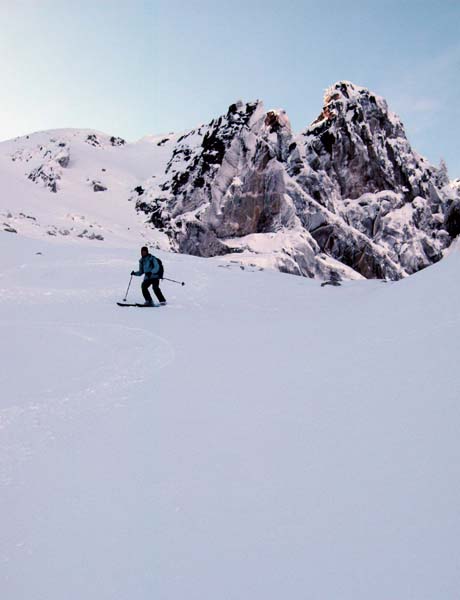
pixel 152 269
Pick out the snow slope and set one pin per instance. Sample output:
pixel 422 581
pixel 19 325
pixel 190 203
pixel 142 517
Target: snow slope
pixel 76 212
pixel 259 437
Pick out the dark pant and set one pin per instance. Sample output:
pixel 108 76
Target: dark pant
pixel 155 283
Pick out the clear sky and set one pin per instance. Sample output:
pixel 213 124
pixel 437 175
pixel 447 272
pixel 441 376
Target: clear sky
pixel 134 67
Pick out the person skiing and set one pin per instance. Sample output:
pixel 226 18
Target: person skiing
pixel 152 269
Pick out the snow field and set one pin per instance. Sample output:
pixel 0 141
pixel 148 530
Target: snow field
pixel 258 437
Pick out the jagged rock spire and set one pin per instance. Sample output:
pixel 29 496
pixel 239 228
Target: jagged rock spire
pixel 363 147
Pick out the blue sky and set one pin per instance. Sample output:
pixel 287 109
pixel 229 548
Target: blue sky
pixel 136 67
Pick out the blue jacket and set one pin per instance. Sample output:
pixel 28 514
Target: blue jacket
pixel 149 267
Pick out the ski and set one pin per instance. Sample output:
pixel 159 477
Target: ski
pixel 147 305
pixel 138 304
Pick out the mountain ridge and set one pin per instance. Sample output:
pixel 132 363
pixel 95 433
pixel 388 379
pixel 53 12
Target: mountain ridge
pixel 345 198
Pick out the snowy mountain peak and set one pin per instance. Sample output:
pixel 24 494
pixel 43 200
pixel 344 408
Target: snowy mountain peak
pixel 349 93
pixel 363 147
pixel 245 112
pixel 346 198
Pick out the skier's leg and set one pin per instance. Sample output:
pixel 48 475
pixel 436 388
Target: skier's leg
pixel 157 291
pixel 145 290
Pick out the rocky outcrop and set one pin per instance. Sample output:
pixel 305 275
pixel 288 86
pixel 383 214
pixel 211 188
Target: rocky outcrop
pixel 49 159
pixel 381 187
pixel 98 186
pixel 349 187
pixel 48 175
pixel 452 213
pixel 117 141
pixel 362 146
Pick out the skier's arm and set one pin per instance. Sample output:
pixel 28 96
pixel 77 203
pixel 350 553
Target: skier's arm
pixel 141 270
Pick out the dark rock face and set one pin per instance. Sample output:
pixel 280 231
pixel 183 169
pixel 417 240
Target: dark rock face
pixel 348 197
pixel 92 140
pixel 98 186
pixel 200 241
pixel 47 175
pixel 452 222
pixel 117 141
pixel 63 161
pixel 99 142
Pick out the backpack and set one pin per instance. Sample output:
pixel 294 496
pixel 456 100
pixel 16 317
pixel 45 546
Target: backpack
pixel 160 267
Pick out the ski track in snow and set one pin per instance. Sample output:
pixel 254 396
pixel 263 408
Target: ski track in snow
pixel 53 395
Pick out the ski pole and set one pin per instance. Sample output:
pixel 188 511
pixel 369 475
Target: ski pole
pixel 174 281
pixel 126 295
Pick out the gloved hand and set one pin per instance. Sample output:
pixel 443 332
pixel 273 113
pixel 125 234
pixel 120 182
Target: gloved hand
pixel 132 273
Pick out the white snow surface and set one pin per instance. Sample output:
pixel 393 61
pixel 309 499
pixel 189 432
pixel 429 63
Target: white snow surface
pixel 75 211
pixel 260 437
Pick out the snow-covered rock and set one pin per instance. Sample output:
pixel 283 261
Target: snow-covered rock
pixel 380 185
pixel 350 185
